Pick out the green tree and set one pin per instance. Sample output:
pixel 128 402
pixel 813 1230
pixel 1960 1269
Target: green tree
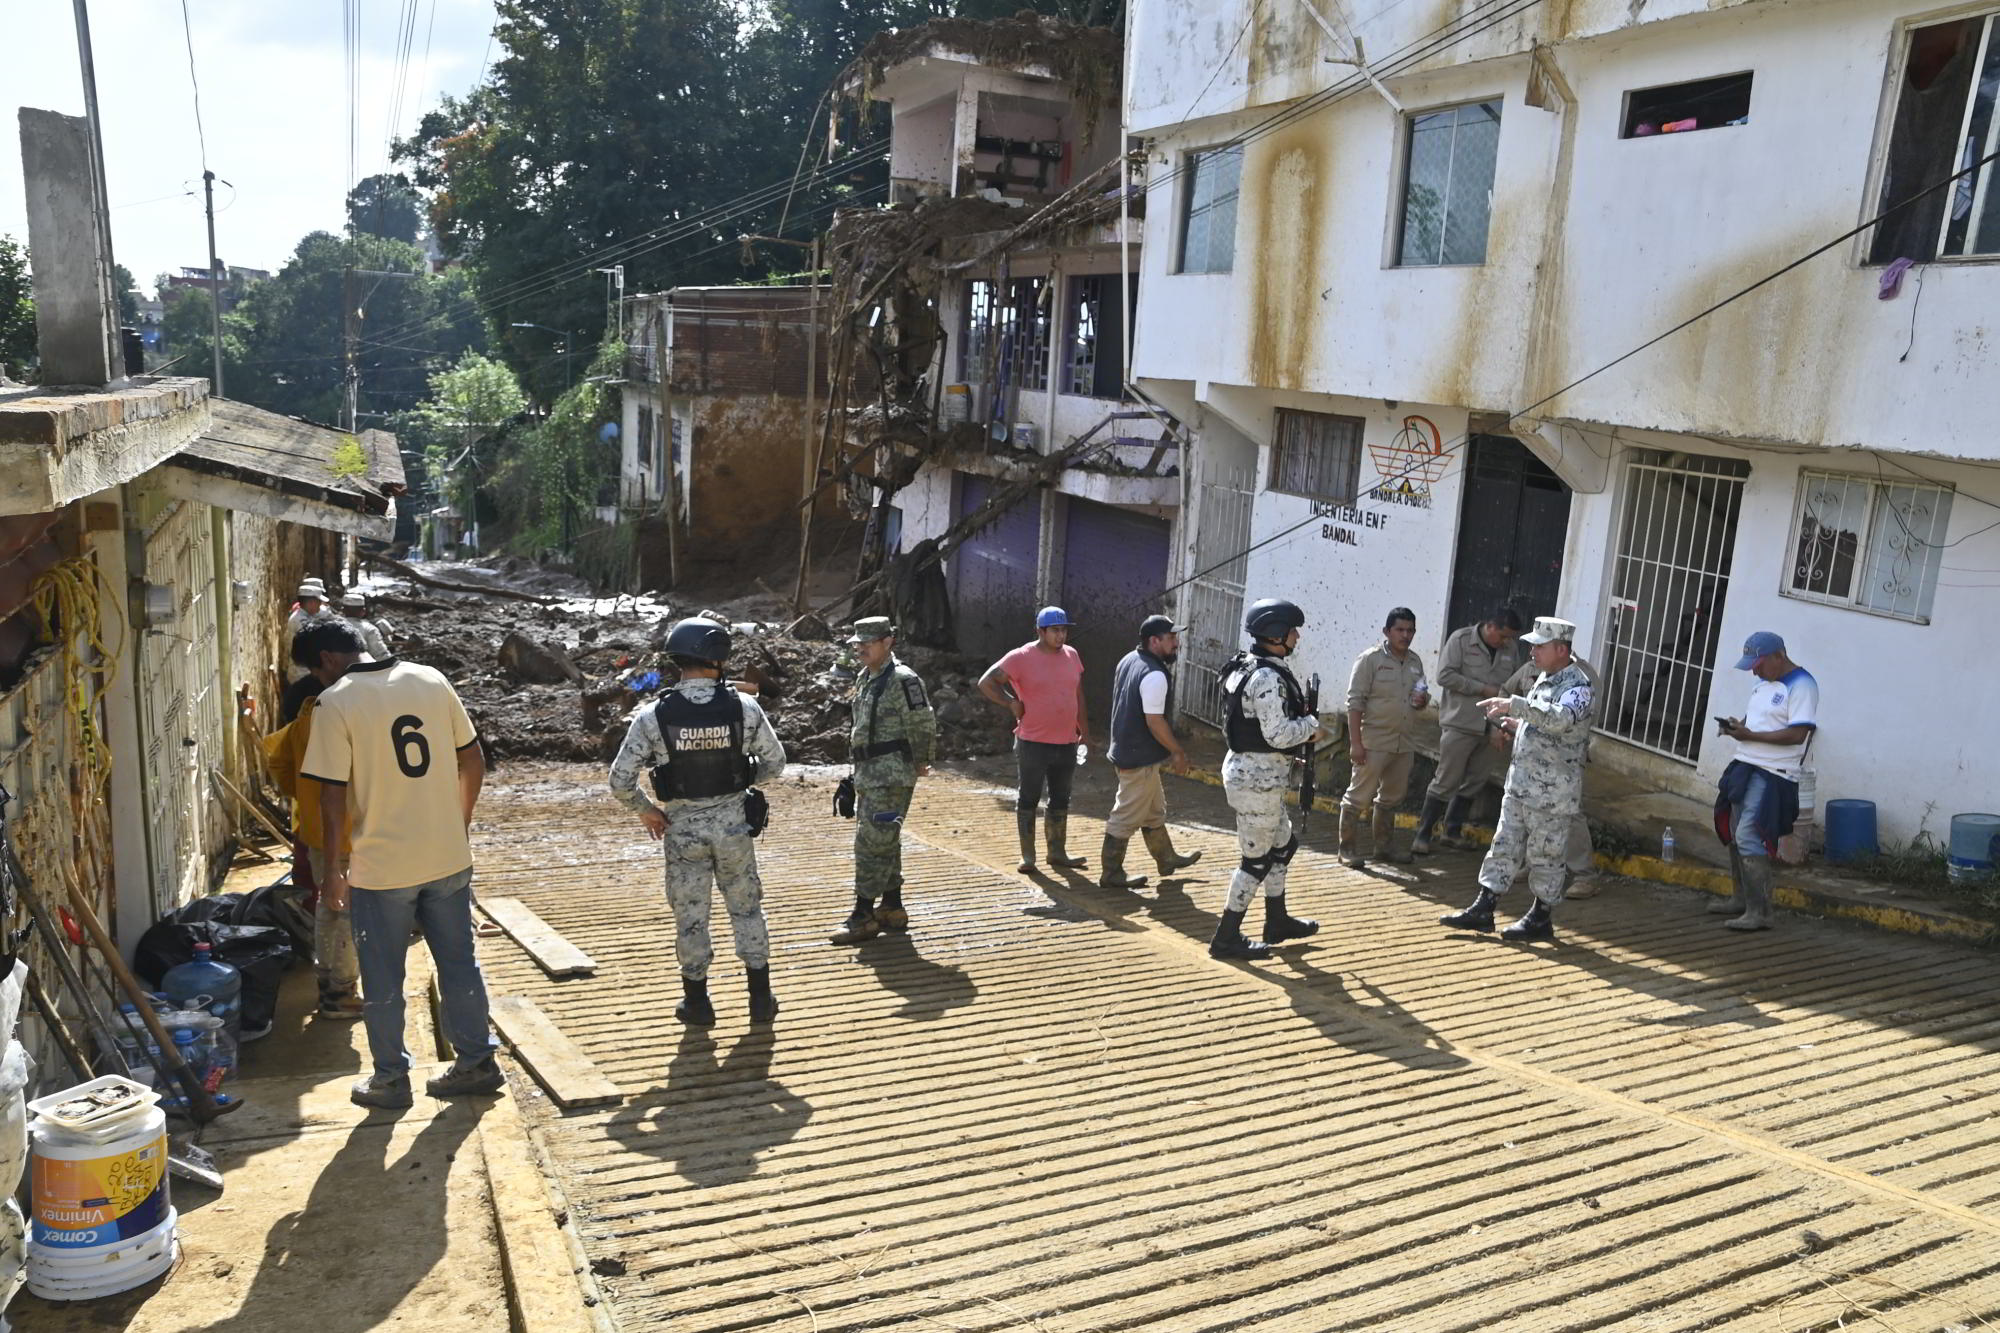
pixel 388 206
pixel 188 334
pixel 128 296
pixel 17 310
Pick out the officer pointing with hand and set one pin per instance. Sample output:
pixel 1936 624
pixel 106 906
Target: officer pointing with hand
pixel 704 746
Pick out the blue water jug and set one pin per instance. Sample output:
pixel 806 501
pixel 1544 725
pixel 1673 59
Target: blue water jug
pixel 206 982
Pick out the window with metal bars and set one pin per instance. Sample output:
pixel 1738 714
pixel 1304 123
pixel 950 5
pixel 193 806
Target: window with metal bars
pixel 1317 455
pixel 1092 361
pixel 1208 210
pixel 1868 544
pixel 1026 320
pixel 1448 185
pixel 975 346
pixel 1946 120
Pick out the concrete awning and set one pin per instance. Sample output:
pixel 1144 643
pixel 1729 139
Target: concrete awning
pixel 290 469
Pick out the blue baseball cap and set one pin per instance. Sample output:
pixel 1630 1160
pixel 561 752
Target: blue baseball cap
pixel 1051 617
pixel 1761 644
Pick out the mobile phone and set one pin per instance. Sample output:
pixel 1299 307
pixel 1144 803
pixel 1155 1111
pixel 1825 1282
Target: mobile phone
pixel 1722 724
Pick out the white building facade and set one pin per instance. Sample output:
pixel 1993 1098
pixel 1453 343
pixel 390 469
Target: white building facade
pixel 1392 301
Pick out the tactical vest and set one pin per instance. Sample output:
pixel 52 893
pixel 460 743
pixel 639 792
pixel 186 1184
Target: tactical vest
pixel 1133 744
pixel 706 742
pixel 1245 736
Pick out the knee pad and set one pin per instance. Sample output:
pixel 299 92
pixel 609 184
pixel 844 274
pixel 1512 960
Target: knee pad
pixel 1283 855
pixel 1257 867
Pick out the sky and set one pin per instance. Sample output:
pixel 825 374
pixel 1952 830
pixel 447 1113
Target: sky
pixel 273 106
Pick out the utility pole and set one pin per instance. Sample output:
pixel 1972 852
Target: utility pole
pixel 614 289
pixel 215 282
pixel 809 451
pixel 350 339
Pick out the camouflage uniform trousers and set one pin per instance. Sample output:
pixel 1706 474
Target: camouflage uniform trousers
pixel 712 844
pixel 1531 835
pixel 878 839
pixel 1263 830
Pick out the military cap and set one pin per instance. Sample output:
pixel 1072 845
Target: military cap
pixel 870 628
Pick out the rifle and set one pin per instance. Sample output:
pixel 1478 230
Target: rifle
pixel 1309 780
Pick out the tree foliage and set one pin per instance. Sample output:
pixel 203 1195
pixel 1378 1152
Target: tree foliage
pixel 17 310
pixel 386 205
pixel 602 124
pixel 128 295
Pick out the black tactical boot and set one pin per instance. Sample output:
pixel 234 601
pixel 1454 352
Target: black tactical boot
pixel 890 915
pixel 1536 925
pixel 1056 828
pixel 860 924
pixel 1427 824
pixel 763 1004
pixel 1024 829
pixel 1161 844
pixel 1735 903
pixel 1479 916
pixel 1280 925
pixel 1229 941
pixel 1111 857
pixel 694 1008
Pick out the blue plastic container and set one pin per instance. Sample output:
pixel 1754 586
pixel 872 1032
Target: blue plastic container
pixel 1975 846
pixel 1850 830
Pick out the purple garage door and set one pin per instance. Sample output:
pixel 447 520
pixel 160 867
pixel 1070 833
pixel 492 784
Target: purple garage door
pixel 993 574
pixel 1114 567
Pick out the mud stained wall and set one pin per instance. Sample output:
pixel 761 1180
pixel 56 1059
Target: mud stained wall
pixel 747 456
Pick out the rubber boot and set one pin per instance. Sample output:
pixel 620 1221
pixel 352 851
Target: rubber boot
pixel 890 914
pixel 1056 827
pixel 1454 825
pixel 1536 925
pixel 763 1004
pixel 1385 839
pixel 1229 941
pixel 1112 858
pixel 1479 916
pixel 1756 881
pixel 1427 824
pixel 1350 839
pixel 1735 904
pixel 860 925
pixel 1024 828
pixel 1161 844
pixel 1280 925
pixel 694 1008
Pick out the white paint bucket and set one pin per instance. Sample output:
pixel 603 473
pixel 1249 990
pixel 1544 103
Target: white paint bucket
pixel 100 1200
pixel 87 1276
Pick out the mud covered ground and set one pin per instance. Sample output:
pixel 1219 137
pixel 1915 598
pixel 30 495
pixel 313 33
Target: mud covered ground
pixel 603 662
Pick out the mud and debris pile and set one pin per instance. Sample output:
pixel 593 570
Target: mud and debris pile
pixel 562 676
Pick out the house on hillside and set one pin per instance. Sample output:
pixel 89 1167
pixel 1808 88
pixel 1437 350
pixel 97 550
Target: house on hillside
pixel 1005 433
pixel 1391 297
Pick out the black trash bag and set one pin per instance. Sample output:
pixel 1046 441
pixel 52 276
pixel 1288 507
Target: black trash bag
pixel 260 952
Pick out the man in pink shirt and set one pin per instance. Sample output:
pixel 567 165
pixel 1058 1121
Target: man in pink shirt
pixel 1041 684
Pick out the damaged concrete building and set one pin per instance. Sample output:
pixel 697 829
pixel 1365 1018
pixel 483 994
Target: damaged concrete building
pixel 1397 252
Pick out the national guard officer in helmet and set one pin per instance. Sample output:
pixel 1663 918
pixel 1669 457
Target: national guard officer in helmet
pixel 894 733
pixel 704 745
pixel 1267 721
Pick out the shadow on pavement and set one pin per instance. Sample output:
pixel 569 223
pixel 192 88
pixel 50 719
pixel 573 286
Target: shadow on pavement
pixel 928 989
pixel 717 1113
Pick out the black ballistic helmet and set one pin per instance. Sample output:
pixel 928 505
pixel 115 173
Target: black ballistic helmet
pixel 1271 617
pixel 699 638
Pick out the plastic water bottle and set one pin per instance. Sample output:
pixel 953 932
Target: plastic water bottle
pixel 1667 843
pixel 206 982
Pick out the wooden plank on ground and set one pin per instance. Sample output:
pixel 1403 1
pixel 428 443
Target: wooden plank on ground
pixel 569 1076
pixel 558 957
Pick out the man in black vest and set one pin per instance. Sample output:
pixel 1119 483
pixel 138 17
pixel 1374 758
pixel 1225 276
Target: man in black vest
pixel 704 745
pixel 1142 699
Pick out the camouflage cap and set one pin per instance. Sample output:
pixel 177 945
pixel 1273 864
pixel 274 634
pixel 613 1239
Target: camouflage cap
pixel 870 628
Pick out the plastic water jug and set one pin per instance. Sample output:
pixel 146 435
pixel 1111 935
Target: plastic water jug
pixel 206 982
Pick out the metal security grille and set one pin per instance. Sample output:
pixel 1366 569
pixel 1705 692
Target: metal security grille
pixel 1317 455
pixel 1215 597
pixel 1676 536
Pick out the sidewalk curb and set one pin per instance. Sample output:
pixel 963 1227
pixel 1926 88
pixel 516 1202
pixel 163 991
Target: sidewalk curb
pixel 549 1284
pixel 1929 922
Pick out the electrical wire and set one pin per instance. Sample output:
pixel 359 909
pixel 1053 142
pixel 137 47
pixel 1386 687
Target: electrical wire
pixel 200 135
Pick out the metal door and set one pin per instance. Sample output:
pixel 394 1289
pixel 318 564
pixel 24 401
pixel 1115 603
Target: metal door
pixel 1114 564
pixel 993 573
pixel 180 697
pixel 1676 538
pixel 1223 504
pixel 1512 526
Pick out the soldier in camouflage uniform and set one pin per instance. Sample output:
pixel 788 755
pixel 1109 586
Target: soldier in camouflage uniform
pixel 1267 721
pixel 704 745
pixel 1551 730
pixel 894 735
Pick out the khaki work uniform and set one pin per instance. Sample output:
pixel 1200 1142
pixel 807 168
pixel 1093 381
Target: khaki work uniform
pixel 1380 690
pixel 1466 762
